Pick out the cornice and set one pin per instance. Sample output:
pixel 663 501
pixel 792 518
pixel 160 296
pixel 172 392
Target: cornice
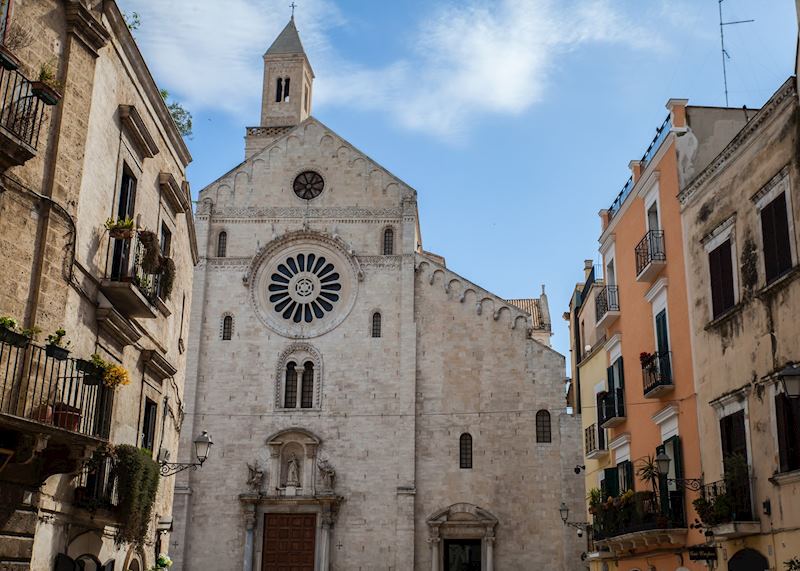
pixel 260 212
pixel 784 95
pixel 86 27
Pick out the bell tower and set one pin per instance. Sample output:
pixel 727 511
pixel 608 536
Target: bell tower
pixel 288 81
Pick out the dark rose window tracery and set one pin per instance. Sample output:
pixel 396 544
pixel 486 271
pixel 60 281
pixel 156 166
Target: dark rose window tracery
pixel 304 287
pixel 308 185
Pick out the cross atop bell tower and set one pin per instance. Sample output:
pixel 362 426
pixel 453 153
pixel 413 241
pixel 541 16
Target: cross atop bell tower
pixel 288 81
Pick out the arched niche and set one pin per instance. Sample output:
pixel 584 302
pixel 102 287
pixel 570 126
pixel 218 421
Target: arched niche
pixel 286 446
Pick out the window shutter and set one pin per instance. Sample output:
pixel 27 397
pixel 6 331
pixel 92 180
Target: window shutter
pixel 610 378
pixel 620 373
pixel 627 474
pixel 678 453
pixel 793 422
pixel 783 431
pixel 721 269
pixel 775 235
pixel 611 481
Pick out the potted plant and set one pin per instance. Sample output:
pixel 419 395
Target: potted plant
pixel 163 562
pixel 93 369
pixel 9 333
pixel 15 39
pixel 151 257
pixel 120 229
pixel 115 375
pixel 56 347
pixel 66 416
pixel 167 277
pixel 47 87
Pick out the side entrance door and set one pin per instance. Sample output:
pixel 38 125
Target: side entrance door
pixel 462 555
pixel 289 542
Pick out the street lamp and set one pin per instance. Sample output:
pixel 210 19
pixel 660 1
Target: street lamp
pixel 581 526
pixel 662 461
pixel 202 447
pixel 790 376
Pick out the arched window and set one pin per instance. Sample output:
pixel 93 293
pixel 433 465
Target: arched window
pixel 222 244
pixel 307 392
pixel 279 90
pixel 465 451
pixel 376 324
pixel 286 89
pixel 227 328
pixel 290 390
pixel 543 427
pixel 388 242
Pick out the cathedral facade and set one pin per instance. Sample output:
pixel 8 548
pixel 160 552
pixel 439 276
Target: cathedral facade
pixel 370 409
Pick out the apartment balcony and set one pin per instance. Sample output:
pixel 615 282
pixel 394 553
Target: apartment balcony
pixel 21 117
pixel 50 408
pixel 606 306
pixel 595 442
pixel 728 508
pixel 640 521
pixel 127 286
pixel 96 490
pixel 657 374
pixel 651 257
pixel 611 408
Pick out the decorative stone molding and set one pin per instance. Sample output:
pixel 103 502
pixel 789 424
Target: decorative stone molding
pixel 258 213
pixel 174 193
pixel 134 126
pixel 381 262
pixel 117 326
pixel 86 27
pixel 157 365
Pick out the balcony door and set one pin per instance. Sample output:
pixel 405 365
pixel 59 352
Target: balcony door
pixel 121 262
pixel 662 344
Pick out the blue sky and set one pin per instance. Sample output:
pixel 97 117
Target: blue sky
pixel 514 120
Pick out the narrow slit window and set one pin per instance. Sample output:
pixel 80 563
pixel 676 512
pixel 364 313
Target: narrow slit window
pixel 222 244
pixel 227 328
pixel 388 242
pixel 307 392
pixel 376 325
pixel 543 432
pixel 279 90
pixel 290 390
pixel 465 451
pixel 286 89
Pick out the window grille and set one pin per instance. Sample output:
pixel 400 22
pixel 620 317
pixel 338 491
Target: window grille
pixel 543 433
pixel 376 324
pixel 465 451
pixel 388 242
pixel 290 391
pixel 307 392
pixel 227 328
pixel 222 245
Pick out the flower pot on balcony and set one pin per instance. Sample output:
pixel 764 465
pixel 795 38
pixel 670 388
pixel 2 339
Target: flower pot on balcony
pixel 67 417
pixel 13 338
pixel 8 60
pixel 47 94
pixel 121 233
pixel 42 413
pixel 92 373
pixel 56 352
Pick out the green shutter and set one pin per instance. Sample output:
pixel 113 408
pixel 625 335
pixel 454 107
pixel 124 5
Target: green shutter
pixel 611 482
pixel 620 373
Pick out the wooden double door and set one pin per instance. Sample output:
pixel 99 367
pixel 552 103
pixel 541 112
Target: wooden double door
pixel 289 542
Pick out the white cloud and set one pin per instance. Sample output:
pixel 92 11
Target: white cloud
pixel 469 57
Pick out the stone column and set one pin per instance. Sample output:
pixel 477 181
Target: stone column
pixel 249 539
pixel 435 555
pixel 488 541
pixel 274 468
pixel 325 542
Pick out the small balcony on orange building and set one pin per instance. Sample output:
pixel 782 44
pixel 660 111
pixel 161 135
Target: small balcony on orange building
pixel 53 409
pixel 595 442
pixel 656 373
pixel 606 305
pixel 21 116
pixel 651 257
pixel 611 407
pixel 127 286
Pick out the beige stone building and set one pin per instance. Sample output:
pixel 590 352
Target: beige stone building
pixel 739 217
pixel 94 142
pixel 370 408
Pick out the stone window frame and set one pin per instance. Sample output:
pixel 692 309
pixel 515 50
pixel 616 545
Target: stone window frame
pixel 384 230
pixel 372 329
pixel 723 232
pixel 462 521
pixel 544 434
pixel 222 325
pixel 780 183
pixel 222 233
pixel 300 353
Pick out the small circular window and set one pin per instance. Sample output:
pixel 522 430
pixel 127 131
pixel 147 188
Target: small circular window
pixel 304 287
pixel 308 185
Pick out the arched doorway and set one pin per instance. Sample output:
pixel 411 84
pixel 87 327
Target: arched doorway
pixel 748 560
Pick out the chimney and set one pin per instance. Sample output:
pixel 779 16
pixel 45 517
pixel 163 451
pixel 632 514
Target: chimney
pixel 677 112
pixel 588 265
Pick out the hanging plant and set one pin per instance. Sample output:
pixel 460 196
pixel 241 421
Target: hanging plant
pixel 151 258
pixel 56 347
pixel 112 375
pixel 120 229
pixel 167 276
pixel 137 482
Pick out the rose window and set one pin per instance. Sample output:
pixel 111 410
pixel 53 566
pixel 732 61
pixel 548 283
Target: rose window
pixel 308 185
pixel 304 287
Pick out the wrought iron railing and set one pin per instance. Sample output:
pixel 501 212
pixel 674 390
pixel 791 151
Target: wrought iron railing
pixel 58 392
pixel 611 405
pixel 126 266
pixel 97 485
pixel 21 112
pixel 657 371
pixel 650 249
pixel 652 149
pixel 594 438
pixel 727 501
pixel 641 511
pixel 607 299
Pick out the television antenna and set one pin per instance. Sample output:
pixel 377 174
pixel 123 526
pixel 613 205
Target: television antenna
pixel 725 55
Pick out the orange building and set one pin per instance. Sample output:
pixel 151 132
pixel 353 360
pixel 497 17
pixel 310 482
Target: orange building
pixel 646 404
